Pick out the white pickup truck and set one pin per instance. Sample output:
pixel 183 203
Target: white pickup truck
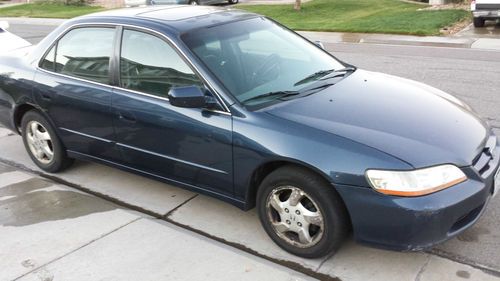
pixel 483 10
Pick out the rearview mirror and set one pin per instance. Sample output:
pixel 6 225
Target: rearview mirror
pixel 188 97
pixel 4 25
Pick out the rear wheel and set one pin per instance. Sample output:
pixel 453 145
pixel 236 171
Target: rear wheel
pixel 42 143
pixel 479 22
pixel 233 1
pixel 193 2
pixel 301 212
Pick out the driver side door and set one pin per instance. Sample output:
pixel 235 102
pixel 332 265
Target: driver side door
pixel 188 145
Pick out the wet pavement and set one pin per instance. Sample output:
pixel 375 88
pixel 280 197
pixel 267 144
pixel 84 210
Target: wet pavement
pixel 49 231
pixel 491 30
pixel 486 38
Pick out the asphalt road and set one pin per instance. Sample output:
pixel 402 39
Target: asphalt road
pixel 471 75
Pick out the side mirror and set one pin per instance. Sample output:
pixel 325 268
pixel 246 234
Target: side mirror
pixel 188 97
pixel 4 25
pixel 319 44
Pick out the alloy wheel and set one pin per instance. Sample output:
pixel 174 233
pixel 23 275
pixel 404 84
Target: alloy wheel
pixel 295 217
pixel 39 142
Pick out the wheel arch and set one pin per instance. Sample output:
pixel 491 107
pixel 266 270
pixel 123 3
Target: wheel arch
pixel 21 109
pixel 263 170
pixel 19 112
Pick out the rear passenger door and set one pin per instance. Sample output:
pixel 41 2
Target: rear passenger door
pixel 188 145
pixel 73 88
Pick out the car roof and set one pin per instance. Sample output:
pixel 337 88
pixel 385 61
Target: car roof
pixel 178 17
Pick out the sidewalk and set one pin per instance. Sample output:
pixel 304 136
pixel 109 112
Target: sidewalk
pixel 52 232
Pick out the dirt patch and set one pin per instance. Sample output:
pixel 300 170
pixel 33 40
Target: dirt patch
pixel 415 2
pixel 462 6
pixel 457 27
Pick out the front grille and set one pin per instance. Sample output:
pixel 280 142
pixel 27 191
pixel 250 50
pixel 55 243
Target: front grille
pixel 482 161
pixel 487 6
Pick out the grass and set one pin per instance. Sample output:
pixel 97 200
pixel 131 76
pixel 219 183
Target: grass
pixel 42 10
pixel 366 16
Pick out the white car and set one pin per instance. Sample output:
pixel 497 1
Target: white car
pixel 10 41
pixel 483 10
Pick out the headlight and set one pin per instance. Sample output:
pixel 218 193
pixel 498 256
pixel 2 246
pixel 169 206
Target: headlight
pixel 416 182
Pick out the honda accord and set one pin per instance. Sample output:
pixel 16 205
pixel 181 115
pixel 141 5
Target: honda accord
pixel 234 105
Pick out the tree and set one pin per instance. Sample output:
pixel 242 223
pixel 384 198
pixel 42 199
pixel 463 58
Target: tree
pixel 297 5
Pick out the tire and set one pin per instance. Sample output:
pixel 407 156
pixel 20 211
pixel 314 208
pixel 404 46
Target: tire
pixel 316 198
pixel 233 1
pixel 479 22
pixel 193 2
pixel 39 136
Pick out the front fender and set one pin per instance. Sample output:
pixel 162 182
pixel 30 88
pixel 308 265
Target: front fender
pixel 261 138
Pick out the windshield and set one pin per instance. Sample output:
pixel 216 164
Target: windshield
pixel 257 57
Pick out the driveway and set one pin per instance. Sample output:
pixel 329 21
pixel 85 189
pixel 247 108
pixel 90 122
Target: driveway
pixel 487 37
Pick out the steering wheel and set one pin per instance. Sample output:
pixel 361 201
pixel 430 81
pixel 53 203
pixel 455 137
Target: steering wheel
pixel 268 71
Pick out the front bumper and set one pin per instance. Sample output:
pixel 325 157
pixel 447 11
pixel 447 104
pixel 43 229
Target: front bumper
pixel 416 223
pixel 492 14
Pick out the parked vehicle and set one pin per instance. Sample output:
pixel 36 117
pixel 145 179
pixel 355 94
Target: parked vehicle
pixel 135 3
pixel 9 40
pixel 231 104
pixel 483 10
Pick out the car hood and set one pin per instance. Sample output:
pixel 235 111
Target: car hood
pixel 416 123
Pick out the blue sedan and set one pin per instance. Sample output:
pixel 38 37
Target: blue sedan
pixel 234 105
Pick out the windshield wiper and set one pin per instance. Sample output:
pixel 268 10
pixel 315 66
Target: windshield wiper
pixel 314 76
pixel 279 94
pixel 335 73
pixel 325 74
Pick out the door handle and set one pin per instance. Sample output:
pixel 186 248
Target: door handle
pixel 127 117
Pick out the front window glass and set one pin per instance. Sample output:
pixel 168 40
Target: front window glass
pixel 85 53
pixel 148 64
pixel 257 57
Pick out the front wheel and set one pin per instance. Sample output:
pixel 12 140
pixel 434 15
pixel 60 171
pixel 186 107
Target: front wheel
pixel 233 1
pixel 301 212
pixel 193 2
pixel 479 22
pixel 42 143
